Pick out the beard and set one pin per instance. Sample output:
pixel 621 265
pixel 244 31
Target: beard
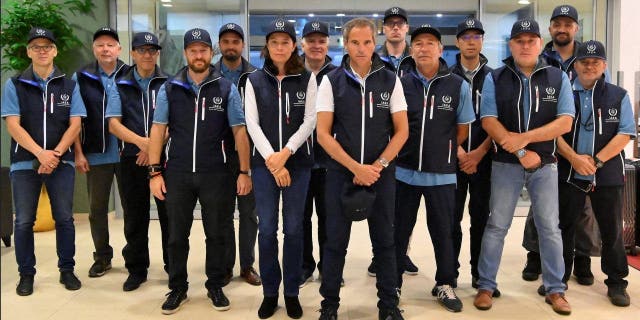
pixel 231 56
pixel 198 69
pixel 561 43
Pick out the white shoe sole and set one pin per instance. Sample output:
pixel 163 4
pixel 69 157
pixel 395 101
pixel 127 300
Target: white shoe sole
pixel 167 312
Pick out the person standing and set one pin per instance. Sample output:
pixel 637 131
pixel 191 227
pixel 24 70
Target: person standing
pixel 132 102
pixel 42 110
pixel 395 26
pixel 203 112
pixel 533 107
pixel 96 150
pixel 236 69
pixel 362 143
pixel 315 45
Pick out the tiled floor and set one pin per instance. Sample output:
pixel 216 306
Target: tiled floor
pixel 102 298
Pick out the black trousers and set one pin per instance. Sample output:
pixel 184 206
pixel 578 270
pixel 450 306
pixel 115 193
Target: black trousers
pixel 135 202
pixel 99 181
pixel 479 187
pixel 316 191
pixel 216 196
pixel 607 209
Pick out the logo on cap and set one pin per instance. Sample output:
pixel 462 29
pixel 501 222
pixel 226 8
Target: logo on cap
pixel 280 24
pixel 385 96
pixel 315 25
pixel 217 100
pixel 470 23
pixel 446 99
pixel 148 37
pixel 426 25
pixel 195 34
pixel 525 25
pixel 395 10
pixel 301 95
pixel 40 32
pixel 230 26
pixel 613 112
pixel 550 90
pixel 591 49
pixel 564 10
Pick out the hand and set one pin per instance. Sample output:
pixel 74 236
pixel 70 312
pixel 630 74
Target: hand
pixel 282 177
pixel 143 144
pixel 45 169
pixel 277 159
pixel 157 187
pixel 472 159
pixel 142 159
pixel 366 175
pixel 49 158
pixel 243 185
pixel 513 142
pixel 531 160
pixel 81 163
pixel 583 164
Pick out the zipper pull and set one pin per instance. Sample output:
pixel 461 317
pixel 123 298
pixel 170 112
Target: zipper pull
pixel 537 98
pixel 370 104
pixel 203 100
pixel 433 98
pixel 51 107
pixel 477 102
pixel 450 150
pixel 153 99
pixel 599 121
pixel 287 108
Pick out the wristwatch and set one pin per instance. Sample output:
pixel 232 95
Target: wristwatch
pixel 383 162
pixel 521 153
pixel 248 172
pixel 599 163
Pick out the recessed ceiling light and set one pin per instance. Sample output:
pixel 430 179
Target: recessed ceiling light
pixel 165 0
pixel 311 15
pixel 168 5
pixel 524 2
pixel 439 15
pixel 375 15
pixel 340 14
pixel 292 20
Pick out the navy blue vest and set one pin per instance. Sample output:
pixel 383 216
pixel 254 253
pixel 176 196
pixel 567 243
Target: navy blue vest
pixel 432 145
pixel 281 112
pixel 362 122
pixel 95 128
pixel 509 90
pixel 607 103
pixel 551 60
pixel 46 120
pixel 319 155
pixel 138 105
pixel 477 135
pixel 201 139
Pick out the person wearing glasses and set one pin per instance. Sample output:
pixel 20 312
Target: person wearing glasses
pixel 395 48
pixel 591 163
pixel 96 150
pixel 474 154
pixel 132 102
pixel 42 133
pixel 526 105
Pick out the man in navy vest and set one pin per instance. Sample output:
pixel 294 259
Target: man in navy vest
pixel 96 150
pixel 439 110
pixel 395 26
pixel 315 45
pixel 236 69
pixel 474 156
pixel 592 163
pixel 132 102
pixel 526 104
pixel 203 112
pixel 41 136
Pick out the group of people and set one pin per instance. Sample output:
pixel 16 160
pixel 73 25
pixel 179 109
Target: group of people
pixel 383 129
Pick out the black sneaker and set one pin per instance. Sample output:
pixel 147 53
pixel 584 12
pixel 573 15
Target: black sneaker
pixel 533 268
pixel 306 278
pixel 220 301
pixel 133 282
pixel 474 284
pixel 175 299
pixel 390 314
pixel 25 285
pixel 328 313
pixel 99 268
pixel 70 281
pixel 268 307
pixel 294 309
pixel 371 270
pixel 618 296
pixel 409 268
pixel 448 299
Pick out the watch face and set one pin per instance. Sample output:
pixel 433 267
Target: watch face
pixel 520 153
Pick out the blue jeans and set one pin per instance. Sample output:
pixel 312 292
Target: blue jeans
pixel 26 185
pixel 267 195
pixel 507 180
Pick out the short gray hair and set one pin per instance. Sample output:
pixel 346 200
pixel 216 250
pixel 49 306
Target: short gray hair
pixel 358 23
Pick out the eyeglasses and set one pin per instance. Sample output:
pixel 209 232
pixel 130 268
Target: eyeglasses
pixel 588 124
pixel 142 51
pixel 468 37
pixel 46 48
pixel 393 24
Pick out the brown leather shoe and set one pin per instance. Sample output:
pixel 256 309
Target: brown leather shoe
pixel 251 276
pixel 558 303
pixel 483 300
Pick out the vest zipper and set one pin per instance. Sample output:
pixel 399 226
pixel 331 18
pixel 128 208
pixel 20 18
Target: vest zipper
pixel 104 139
pixel 537 99
pixel 279 114
pixel 224 154
pixel 44 111
pixel 363 111
pixel 370 104
pixel 599 120
pixel 424 115
pixel 195 121
pixel 450 149
pixel 287 106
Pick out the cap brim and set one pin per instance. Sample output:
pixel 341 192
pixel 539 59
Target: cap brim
pixel 563 15
pixel 430 31
pixel 587 57
pixel 312 32
pixel 230 30
pixel 42 37
pixel 467 29
pixel 523 32
pixel 147 44
pixel 106 33
pixel 395 15
pixel 200 41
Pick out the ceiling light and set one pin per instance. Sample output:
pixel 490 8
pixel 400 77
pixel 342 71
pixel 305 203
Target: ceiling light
pixel 311 15
pixel 524 2
pixel 439 15
pixel 292 20
pixel 340 14
pixel 165 0
pixel 375 15
pixel 168 5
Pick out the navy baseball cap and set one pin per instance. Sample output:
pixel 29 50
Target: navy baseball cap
pixel 197 35
pixel 315 27
pixel 591 49
pixel 395 11
pixel 231 27
pixel 106 31
pixel 281 25
pixel 525 26
pixel 469 24
pixel 145 39
pixel 565 10
pixel 426 28
pixel 37 32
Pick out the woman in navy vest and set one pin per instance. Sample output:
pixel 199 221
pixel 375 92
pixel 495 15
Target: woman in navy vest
pixel 280 115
